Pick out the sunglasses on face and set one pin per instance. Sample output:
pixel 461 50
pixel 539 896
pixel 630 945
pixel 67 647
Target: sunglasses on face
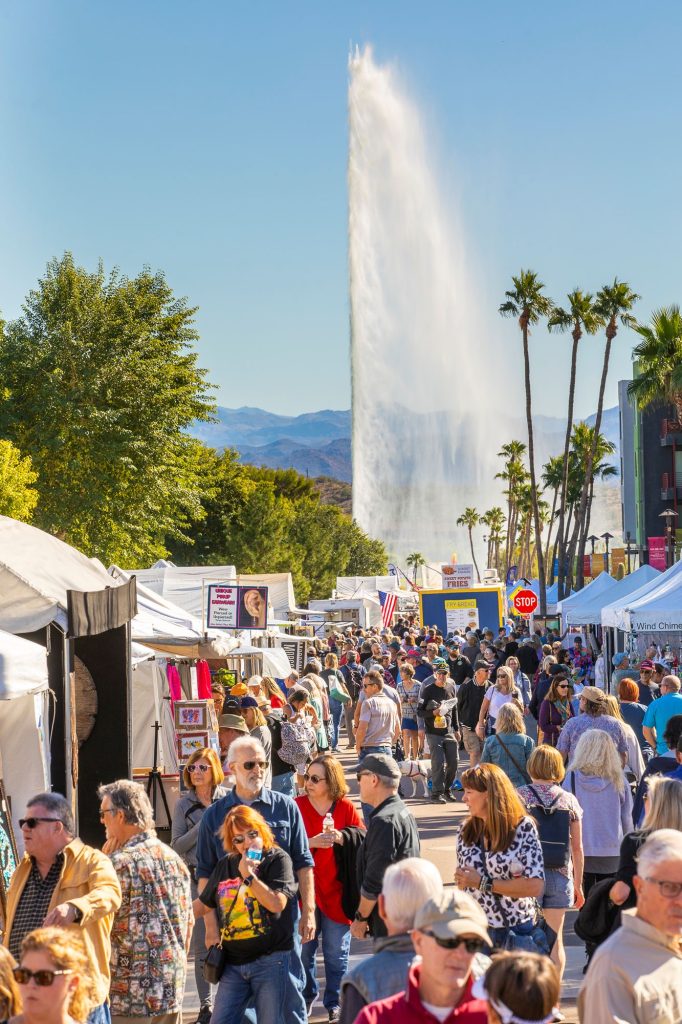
pixel 366 686
pixel 32 822
pixel 251 834
pixel 562 686
pixel 314 778
pixel 198 768
pixel 250 765
pixel 22 976
pixel 471 945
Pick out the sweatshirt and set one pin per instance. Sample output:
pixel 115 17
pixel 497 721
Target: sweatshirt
pixel 607 814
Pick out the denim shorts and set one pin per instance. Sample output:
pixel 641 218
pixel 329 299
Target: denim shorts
pixel 559 894
pixel 409 724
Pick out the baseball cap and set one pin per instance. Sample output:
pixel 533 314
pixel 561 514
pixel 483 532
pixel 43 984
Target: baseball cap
pixel 239 690
pixel 440 668
pixel 380 764
pixel 593 693
pixel 647 663
pixel 452 914
pixel 394 645
pixel 235 722
pixel 248 702
pixel 618 658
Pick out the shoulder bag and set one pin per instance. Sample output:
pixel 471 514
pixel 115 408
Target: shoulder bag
pixel 216 957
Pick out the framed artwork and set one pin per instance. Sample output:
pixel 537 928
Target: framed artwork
pixel 192 715
pixel 188 742
pixel 9 857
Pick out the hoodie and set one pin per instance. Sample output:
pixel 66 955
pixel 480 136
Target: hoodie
pixel 607 814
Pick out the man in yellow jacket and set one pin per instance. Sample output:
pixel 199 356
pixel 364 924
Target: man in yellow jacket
pixel 61 881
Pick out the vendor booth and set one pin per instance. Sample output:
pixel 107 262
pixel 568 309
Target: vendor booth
pixel 652 615
pixel 55 596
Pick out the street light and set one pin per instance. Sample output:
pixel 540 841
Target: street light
pixel 629 549
pixel 606 537
pixel 669 514
pixel 593 540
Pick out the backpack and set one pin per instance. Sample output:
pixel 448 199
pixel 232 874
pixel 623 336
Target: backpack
pixel 353 678
pixel 554 828
pixel 298 740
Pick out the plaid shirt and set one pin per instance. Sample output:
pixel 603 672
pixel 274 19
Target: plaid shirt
pixel 34 903
pixel 148 940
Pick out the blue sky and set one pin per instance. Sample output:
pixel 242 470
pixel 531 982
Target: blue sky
pixel 209 139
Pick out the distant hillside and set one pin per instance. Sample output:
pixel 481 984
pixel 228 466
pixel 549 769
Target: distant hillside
pixel 318 443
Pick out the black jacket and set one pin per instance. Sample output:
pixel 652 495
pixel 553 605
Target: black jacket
pixel 460 669
pixel 392 835
pixel 469 701
pixel 431 696
pixel 346 857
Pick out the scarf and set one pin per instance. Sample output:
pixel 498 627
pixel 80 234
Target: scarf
pixel 564 709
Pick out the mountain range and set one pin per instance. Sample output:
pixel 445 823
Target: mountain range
pixel 318 443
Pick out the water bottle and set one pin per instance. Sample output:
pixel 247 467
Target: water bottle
pixel 254 855
pixel 328 823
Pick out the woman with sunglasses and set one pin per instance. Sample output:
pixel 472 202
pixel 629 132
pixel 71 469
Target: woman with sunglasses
pixel 326 811
pixel 555 709
pixel 202 776
pixel 499 856
pixel 54 978
pixel 252 889
pixel 10 1001
pixel 501 693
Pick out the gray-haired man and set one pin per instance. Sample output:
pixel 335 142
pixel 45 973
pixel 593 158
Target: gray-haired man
pixel 154 925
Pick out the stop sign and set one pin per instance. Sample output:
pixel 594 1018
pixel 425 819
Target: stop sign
pixel 525 602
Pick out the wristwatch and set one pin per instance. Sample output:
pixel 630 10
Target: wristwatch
pixel 359 917
pixel 78 913
pixel 485 885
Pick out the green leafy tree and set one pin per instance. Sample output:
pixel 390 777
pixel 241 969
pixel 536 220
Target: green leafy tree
pixel 494 519
pixel 470 519
pixel 514 474
pixel 579 316
pixel 552 478
pixel 102 385
pixel 18 497
pixel 527 304
pixel 414 561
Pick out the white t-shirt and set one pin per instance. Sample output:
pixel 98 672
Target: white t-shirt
pixel 439 1012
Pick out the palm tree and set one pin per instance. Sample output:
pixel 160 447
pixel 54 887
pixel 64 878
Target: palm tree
pixel 552 477
pixel 526 302
pixel 514 473
pixel 470 518
pixel 415 562
pixel 659 358
pixel 494 520
pixel 580 316
pixel 613 304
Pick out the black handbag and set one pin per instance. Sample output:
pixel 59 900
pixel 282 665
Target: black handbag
pixel 214 964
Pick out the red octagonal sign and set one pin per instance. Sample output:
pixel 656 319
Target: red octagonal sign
pixel 525 602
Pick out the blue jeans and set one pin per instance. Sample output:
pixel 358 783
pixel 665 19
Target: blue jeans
pixel 384 748
pixel 284 784
pixel 336 709
pixel 99 1015
pixel 335 950
pixel 263 982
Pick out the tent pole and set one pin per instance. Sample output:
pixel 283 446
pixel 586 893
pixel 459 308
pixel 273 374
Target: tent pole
pixel 69 712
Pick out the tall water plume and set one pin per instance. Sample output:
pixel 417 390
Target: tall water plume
pixel 425 428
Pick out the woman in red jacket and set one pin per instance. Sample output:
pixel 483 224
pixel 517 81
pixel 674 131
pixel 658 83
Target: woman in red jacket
pixel 325 795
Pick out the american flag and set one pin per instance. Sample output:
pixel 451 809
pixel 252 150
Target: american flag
pixel 388 603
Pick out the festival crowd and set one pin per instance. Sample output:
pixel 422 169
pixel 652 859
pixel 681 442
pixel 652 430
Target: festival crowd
pixel 271 864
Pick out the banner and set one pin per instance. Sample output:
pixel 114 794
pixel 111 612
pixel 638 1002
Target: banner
pixel 657 553
pixel 598 564
pixel 229 607
pixel 587 565
pixel 457 577
pixel 617 559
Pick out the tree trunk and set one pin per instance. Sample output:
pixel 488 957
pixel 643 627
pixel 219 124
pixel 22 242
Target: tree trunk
pixel 550 573
pixel 507 547
pixel 531 461
pixel 564 480
pixel 473 556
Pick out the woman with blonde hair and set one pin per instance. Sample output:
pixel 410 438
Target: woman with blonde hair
pixel 253 890
pixel 408 689
pixel 509 748
pixel 563 881
pixel 10 1001
pixel 275 695
pixel 662 809
pixel 55 977
pixel 521 681
pixel 202 776
pixel 595 777
pixel 634 764
pixel 504 691
pixel 334 681
pixel 499 856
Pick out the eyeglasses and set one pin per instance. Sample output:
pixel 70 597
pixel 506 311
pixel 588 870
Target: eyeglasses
pixel 366 686
pixel 471 945
pixel 562 686
pixel 198 768
pixel 32 822
pixel 671 890
pixel 43 979
pixel 106 810
pixel 360 774
pixel 250 765
pixel 314 778
pixel 251 834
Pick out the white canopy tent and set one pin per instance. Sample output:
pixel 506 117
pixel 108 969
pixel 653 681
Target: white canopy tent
pixel 357 586
pixel 24 742
pixel 570 607
pixel 150 704
pixel 590 612
pixel 637 584
pixel 656 608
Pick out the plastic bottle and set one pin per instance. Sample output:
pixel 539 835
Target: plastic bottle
pixel 328 823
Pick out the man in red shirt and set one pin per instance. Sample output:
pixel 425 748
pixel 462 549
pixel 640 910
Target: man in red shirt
pixel 448 933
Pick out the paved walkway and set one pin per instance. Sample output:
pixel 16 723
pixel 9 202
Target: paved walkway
pixel 437 825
